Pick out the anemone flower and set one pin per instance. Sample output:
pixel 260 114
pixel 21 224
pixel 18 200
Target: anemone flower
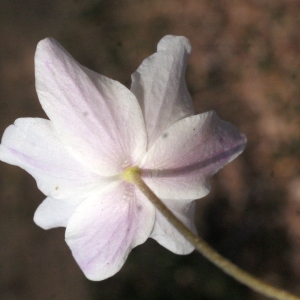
pixel 97 129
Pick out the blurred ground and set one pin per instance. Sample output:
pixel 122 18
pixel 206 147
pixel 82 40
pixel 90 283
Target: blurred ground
pixel 245 65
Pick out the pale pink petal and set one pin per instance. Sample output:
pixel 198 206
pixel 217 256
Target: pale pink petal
pixel 182 160
pixel 33 145
pixel 167 235
pixel 98 119
pixel 53 213
pixel 159 85
pixel 106 226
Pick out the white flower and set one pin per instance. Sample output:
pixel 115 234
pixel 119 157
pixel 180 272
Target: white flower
pixel 98 129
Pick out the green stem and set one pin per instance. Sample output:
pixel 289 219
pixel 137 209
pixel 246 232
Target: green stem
pixel 208 252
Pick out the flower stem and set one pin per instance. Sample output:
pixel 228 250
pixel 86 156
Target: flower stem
pixel 208 252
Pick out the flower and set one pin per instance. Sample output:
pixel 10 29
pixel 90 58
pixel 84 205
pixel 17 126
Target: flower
pixel 97 130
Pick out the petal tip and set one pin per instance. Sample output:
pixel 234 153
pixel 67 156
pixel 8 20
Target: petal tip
pixel 170 41
pixel 47 48
pixel 46 42
pixel 40 222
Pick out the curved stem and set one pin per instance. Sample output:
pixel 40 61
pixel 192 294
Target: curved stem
pixel 208 252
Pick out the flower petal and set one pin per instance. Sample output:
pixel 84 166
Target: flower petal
pixel 167 235
pixel 33 145
pixel 160 87
pixel 185 156
pixel 95 117
pixel 53 213
pixel 106 226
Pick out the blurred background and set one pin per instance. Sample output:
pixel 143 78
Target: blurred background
pixel 245 64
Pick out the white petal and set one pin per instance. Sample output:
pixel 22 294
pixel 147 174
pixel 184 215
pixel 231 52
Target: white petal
pixel 106 226
pixel 160 87
pixel 98 119
pixel 33 145
pixel 54 213
pixel 182 160
pixel 166 234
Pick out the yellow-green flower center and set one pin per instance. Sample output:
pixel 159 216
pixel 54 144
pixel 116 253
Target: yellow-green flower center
pixel 130 172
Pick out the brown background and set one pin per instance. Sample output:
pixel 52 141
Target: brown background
pixel 245 65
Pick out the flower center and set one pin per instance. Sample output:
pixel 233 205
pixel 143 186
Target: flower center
pixel 130 172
